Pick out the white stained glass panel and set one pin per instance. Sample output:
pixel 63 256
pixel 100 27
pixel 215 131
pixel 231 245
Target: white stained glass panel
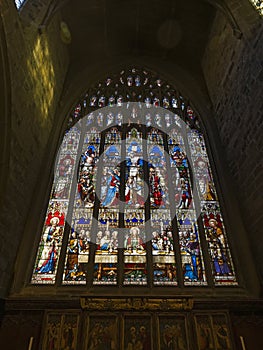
pixel 258 5
pixel 19 3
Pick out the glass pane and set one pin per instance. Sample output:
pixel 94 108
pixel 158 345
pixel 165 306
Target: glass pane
pixel 78 247
pixel 85 196
pixel 134 174
pixel 189 239
pixel 53 230
pixel 219 251
pixel 191 254
pixel 164 269
pixel 135 272
pixel 172 179
pixel 106 256
pixel 158 181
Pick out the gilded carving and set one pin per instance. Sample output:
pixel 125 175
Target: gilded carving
pixel 185 303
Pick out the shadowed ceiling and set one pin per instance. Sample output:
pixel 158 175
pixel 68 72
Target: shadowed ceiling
pixel 170 30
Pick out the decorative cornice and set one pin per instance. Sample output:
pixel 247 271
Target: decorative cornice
pixel 180 302
pixel 145 304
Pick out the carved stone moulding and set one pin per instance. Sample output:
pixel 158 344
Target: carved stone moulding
pixel 140 304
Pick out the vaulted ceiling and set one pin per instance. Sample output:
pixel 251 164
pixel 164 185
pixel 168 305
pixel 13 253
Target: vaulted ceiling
pixel 170 30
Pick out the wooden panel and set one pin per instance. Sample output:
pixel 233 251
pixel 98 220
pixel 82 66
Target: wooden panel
pixel 172 332
pixel 213 331
pixel 102 333
pixel 61 331
pixel 137 332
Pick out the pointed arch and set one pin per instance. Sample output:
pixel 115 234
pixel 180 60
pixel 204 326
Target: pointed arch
pixel 164 242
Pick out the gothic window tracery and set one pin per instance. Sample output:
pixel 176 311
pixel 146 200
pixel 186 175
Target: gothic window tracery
pixel 133 193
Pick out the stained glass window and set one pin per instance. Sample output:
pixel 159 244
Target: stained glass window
pixel 19 3
pixel 258 5
pixel 133 201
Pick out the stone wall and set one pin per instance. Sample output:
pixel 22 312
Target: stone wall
pixel 38 65
pixel 234 76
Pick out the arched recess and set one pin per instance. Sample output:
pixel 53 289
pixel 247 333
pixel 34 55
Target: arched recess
pixel 55 144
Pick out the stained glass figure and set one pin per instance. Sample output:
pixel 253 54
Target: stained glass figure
pixel 135 248
pixel 53 230
pixel 156 102
pixel 109 119
pixel 174 102
pixel 160 157
pixel 65 165
pixel 119 119
pixel 106 258
pixel 90 119
pixel 99 117
pixel 212 218
pixel 163 248
pixel 180 170
pixel 148 119
pixel 93 101
pixel 191 254
pixel 148 102
pixel 134 179
pixel 110 185
pixel 78 247
pixel 158 120
pixel 166 103
pixel 217 245
pixel 77 111
pixel 168 120
pixel 119 101
pixel 102 102
pixel 157 170
pixel 87 172
pixel 105 269
pixel 137 80
pixel 159 82
pixel 50 245
pixel 130 81
pixel 108 81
